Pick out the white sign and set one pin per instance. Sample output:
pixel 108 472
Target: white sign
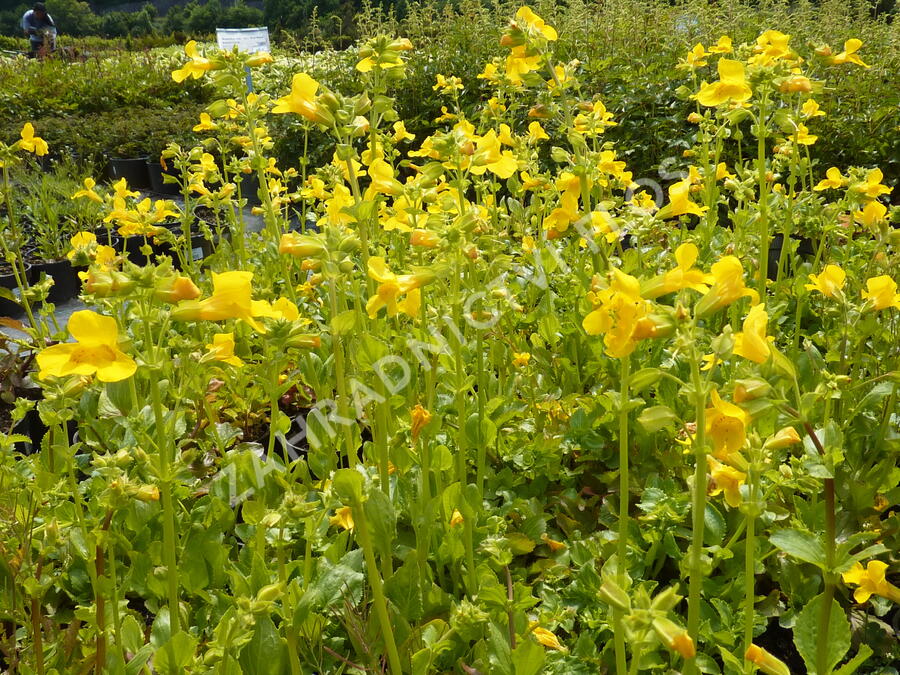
pixel 246 39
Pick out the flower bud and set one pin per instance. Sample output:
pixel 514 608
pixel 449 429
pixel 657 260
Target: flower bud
pixel 176 289
pixel 766 662
pixel 302 246
pixel 794 84
pixel 612 595
pixel 258 59
pixel 750 389
pixel 424 238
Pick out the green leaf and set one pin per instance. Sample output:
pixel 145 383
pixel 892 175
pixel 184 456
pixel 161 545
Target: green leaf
pixel 807 638
pixel 528 658
pixel 139 660
pixel 714 530
pixel 175 655
pixel 379 512
pixel 131 635
pixel 348 485
pixel 644 378
pixel 343 323
pixel 265 654
pixel 865 651
pixel 802 545
pixel 657 417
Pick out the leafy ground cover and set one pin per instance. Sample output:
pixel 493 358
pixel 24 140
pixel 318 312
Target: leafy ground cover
pixel 483 395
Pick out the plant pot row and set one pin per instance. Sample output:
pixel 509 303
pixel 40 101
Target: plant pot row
pixel 65 284
pixel 142 173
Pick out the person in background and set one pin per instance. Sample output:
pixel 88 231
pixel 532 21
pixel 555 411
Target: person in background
pixel 35 23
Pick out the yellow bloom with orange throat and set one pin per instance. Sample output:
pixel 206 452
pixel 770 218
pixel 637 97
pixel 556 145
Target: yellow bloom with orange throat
pixel 196 67
pixel 870 580
pixel 391 287
pixel 731 87
pixel 95 352
pixel 829 283
pixel 726 426
pixel 618 315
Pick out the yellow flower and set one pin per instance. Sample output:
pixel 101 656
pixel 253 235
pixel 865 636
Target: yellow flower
pixel 732 86
pixel 871 215
pixel 768 664
pixel 303 100
pixel 595 120
pixel 728 287
pixel 829 282
pixel 521 359
pixel 548 639
pixel 781 438
pixel 489 157
pixel 391 287
pixel 871 581
pixel 222 349
pixel 343 518
pixel 727 480
pixel 722 172
pixel 456 518
pixel 533 23
pixel 284 310
pixel 95 352
pixel 833 180
pixel 196 67
pixel 810 109
pixel 794 84
pixel 618 315
pixel 401 134
pixel 851 46
pixel 871 187
pixel 420 417
pixel 88 191
pixel 447 85
pixel 231 299
pixel 31 143
pixel 695 58
pixel 881 292
pixel 520 62
pixel 771 46
pixel 752 343
pixel 723 46
pixel 536 132
pixel 803 137
pixel 680 202
pixel 726 425
pixel 82 240
pixel 489 73
pixel 206 123
pixel 683 276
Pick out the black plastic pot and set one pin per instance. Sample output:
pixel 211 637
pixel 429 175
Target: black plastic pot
pixel 134 171
pixel 66 283
pixel 250 189
pixel 156 173
pixel 804 250
pixel 8 308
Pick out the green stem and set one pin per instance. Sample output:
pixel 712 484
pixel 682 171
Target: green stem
pixel 165 452
pixel 698 509
pixel 622 544
pixel 750 564
pixel 365 540
pixel 338 351
pixel 763 198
